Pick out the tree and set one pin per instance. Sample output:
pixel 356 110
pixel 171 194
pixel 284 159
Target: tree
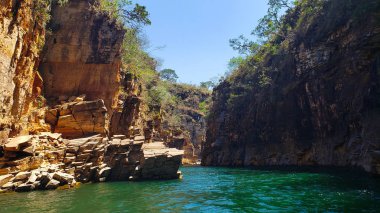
pixel 169 75
pixel 267 27
pixel 244 46
pixel 234 63
pixel 207 84
pixel 125 12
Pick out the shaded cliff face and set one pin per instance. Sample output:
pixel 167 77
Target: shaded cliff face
pixel 322 106
pixel 191 108
pixel 22 36
pixel 82 55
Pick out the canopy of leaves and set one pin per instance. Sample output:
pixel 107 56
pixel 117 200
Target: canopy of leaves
pixel 127 13
pixel 168 75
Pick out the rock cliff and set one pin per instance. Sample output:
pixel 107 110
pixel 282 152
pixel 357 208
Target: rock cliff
pixel 81 118
pixel 82 55
pixel 191 110
pixel 321 106
pixel 22 34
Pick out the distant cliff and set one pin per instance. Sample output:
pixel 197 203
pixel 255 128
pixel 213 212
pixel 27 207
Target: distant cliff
pixel 316 101
pixel 191 111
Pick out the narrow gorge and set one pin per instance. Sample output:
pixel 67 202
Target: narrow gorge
pixel 70 112
pixel 93 120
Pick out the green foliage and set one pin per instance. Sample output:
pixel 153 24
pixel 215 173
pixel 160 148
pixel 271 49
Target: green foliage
pixel 270 24
pixel 204 107
pixel 244 46
pixel 125 12
pixel 235 63
pixel 207 84
pixel 169 75
pixel 159 95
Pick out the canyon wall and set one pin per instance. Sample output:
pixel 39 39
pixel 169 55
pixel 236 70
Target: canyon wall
pixel 81 95
pixel 321 106
pixel 191 109
pixel 82 55
pixel 22 36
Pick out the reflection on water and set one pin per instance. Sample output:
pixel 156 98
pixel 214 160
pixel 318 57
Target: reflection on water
pixel 211 190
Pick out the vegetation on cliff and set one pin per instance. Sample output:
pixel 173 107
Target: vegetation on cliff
pixel 278 34
pixel 305 92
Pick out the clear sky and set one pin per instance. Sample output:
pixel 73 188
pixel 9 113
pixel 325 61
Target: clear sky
pixel 195 33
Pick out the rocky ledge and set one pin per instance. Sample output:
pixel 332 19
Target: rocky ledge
pixel 47 161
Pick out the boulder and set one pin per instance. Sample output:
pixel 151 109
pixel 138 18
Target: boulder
pixel 15 144
pixel 5 178
pixel 45 178
pixel 22 176
pixel 63 178
pixel 121 137
pixel 25 187
pixel 160 162
pixel 103 173
pixel 32 178
pixel 53 184
pixel 68 126
pixel 8 186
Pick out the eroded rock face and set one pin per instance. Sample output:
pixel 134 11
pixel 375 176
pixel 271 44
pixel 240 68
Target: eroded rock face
pixel 190 133
pixel 322 107
pixel 21 39
pixel 78 119
pixel 55 162
pixel 82 55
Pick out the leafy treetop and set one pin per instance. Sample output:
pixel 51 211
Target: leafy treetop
pixel 169 75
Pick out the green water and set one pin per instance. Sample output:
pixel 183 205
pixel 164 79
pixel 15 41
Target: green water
pixel 212 190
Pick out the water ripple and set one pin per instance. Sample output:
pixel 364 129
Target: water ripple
pixel 211 190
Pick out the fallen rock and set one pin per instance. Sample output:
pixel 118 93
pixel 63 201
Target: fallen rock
pixel 160 162
pixel 15 144
pixel 63 178
pixel 8 186
pixel 5 178
pixel 32 178
pixel 25 187
pixel 22 176
pixel 103 173
pixel 45 178
pixel 53 184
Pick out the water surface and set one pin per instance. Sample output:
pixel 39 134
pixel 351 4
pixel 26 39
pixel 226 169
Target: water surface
pixel 212 190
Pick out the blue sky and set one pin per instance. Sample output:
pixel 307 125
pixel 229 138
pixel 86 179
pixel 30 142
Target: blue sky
pixel 195 33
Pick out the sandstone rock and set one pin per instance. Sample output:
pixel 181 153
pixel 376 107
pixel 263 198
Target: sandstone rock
pixel 15 144
pixel 68 126
pixel 63 178
pixel 83 118
pixel 103 173
pixel 51 116
pixel 8 186
pixel 32 178
pixel 160 162
pixel 20 83
pixel 5 178
pixel 52 184
pixel 50 135
pixel 139 138
pixel 83 66
pixel 45 178
pixel 25 187
pixel 22 176
pixel 121 137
